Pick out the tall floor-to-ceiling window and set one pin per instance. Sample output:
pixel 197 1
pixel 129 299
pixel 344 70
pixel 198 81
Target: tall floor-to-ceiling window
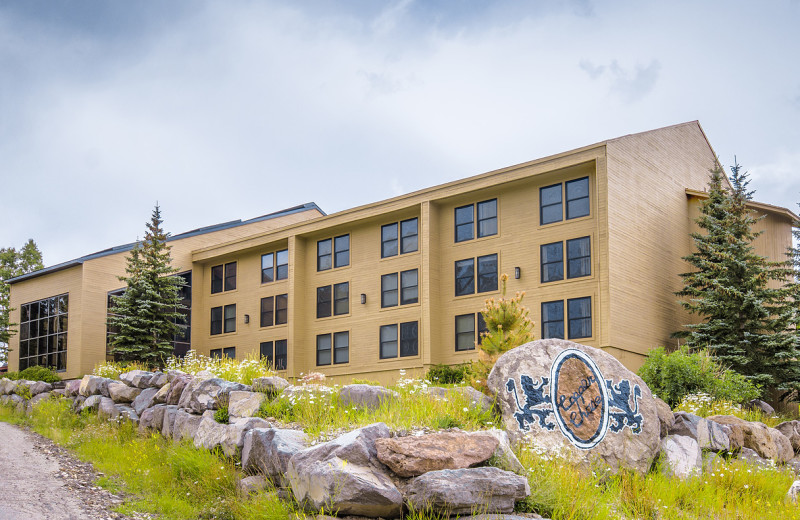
pixel 43 333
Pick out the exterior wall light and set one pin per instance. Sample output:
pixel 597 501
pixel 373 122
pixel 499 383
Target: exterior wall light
pixel 517 273
pixel 247 318
pixel 363 298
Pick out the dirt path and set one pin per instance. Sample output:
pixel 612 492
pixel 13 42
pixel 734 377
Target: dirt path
pixel 41 481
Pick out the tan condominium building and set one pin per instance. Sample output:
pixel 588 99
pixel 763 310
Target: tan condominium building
pixel 594 237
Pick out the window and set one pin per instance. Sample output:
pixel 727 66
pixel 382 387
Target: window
pixel 43 333
pixel 340 348
pixel 223 319
pixel 465 332
pixel 275 266
pixel 267 311
pixel 550 201
pixel 333 253
pixel 219 353
pixel 333 299
pixel 409 343
pixel 230 318
pixel 487 275
pixel 408 239
pixel 553 320
pixel 577 198
pixel 281 309
pixel 409 288
pixel 552 262
pixel 579 312
pixel 579 257
pixel 465 220
pixel 481 327
pixel 223 277
pixel 277 357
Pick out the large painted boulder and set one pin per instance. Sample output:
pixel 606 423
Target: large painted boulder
pixel 578 401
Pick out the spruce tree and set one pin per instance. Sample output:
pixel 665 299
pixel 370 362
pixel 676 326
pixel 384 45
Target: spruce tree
pixel 147 315
pixel 744 321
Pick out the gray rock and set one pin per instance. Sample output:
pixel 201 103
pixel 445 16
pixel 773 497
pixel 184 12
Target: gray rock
pixel 144 400
pixel 343 475
pixel 665 417
pixel 751 456
pixel 106 408
pixel 417 454
pixel 158 380
pixel 91 403
pixel 77 403
pixel 244 404
pixel 176 387
pixel 35 387
pixel 72 388
pixel 122 393
pixel 794 492
pixel 272 386
pixel 229 437
pixel 709 435
pixel 185 425
pixel 94 385
pixel 173 374
pixel 251 484
pixel 7 386
pixel 768 442
pixel 758 404
pixel 37 399
pixel 791 430
pixel 465 491
pixel 712 462
pixel 127 412
pixel 209 433
pixel 471 395
pixel 161 395
pixel 268 450
pixel 137 378
pixel 167 426
pixel 153 418
pixel 365 396
pixel 207 394
pixel 504 455
pixel 680 457
pixel 600 408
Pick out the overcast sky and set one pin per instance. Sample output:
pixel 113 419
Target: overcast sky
pixel 228 110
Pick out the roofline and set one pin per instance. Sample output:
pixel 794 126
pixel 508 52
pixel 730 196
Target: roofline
pixel 768 208
pixel 186 234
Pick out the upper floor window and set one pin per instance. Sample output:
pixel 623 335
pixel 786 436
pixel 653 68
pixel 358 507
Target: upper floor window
pixel 486 275
pixel 408 343
pixel 551 207
pixel 274 310
pixel 333 348
pixel 333 299
pixel 333 252
pixel 553 320
pixel 579 260
pixel 406 241
pixel 223 319
pixel 465 225
pixel 408 288
pixel 223 277
pixel 275 353
pixel 579 318
pixel 275 266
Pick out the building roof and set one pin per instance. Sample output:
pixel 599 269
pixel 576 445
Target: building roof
pixel 766 208
pixel 194 232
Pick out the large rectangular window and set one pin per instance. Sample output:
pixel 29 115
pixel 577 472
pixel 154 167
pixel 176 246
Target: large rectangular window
pixel 408 343
pixel 389 240
pixel 333 347
pixel 409 287
pixel 223 278
pixel 324 254
pixel 487 273
pixel 43 333
pixel 487 218
pixel 388 341
pixel 281 309
pixel 324 298
pixel 464 220
pixel 551 206
pixel 465 332
pixel 467 228
pixel 577 198
pixel 267 311
pixel 389 290
pixel 579 257
pixel 553 320
pixel 219 353
pixel 579 312
pixel 406 241
pixel 216 320
pixel 409 236
pixel 275 266
pixel 230 276
pixel 333 253
pixel 465 277
pixel 333 300
pixel 217 275
pixel 552 256
pixel 275 353
pixel 230 318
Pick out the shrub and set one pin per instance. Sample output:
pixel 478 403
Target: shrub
pixel 14 376
pixel 672 376
pixel 449 374
pixel 38 373
pixel 221 415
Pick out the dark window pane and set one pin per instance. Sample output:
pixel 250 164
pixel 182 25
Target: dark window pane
pixel 388 341
pixel 230 318
pixel 465 277
pixel 342 250
pixel 34 328
pixel 324 256
pixel 23 349
pixel 481 327
pixel 409 234
pixel 281 309
pixel 323 349
pixel 487 273
pixel 267 315
pixel 44 327
pixel 24 331
pixel 216 320
pixel 389 290
pixel 282 263
pixel 464 220
pixel 44 309
pixel 341 298
pixel 324 301
pixel 465 332
pixel 229 352
pixel 34 314
pixel 62 322
pixel 577 198
pixel 579 257
pixel 281 354
pixel 265 350
pixel 487 218
pixel 216 279
pixel 552 262
pixel 408 338
pixel 341 347
pixel 409 287
pixel 215 353
pixel 63 300
pixel 230 276
pixel 550 204
pixel 553 320
pixel 25 313
pixel 267 268
pixel 579 311
pixel 388 240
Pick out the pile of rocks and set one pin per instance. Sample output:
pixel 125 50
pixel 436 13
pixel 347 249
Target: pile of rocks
pixel 368 472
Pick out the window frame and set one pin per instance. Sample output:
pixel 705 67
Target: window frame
pixel 216 320
pixel 230 276
pixel 399 335
pixel 338 256
pixel 390 291
pixel 404 289
pixel 463 333
pixel 268 311
pixel 560 203
pixel 333 347
pixel 547 322
pixel 282 310
pixel 464 224
pixel 543 265
pixel 324 301
pixel 468 263
pixel 479 220
pixel 391 242
pixel 217 279
pixel 403 236
pixel 392 329
pixel 570 259
pixel 586 318
pixel 276 266
pixel 229 320
pixel 481 277
pixel 568 200
pixel 341 299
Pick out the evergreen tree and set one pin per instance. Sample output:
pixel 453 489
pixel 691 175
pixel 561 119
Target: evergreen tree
pixel 735 291
pixel 14 263
pixel 147 315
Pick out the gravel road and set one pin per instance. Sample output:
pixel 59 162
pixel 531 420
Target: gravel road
pixel 41 481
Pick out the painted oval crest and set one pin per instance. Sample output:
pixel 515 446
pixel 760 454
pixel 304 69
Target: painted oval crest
pixel 579 398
